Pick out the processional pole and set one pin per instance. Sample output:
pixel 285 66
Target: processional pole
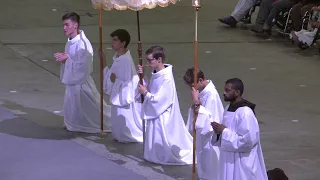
pixel 101 71
pixel 196 5
pixel 140 74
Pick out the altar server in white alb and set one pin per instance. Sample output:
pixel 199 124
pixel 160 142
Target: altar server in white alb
pixel 121 83
pixel 208 106
pixel 167 138
pixel 238 137
pixel 82 100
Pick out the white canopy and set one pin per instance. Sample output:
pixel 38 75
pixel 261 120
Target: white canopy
pixel 135 5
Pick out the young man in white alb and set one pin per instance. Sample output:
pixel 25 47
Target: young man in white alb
pixel 238 137
pixel 167 139
pixel 121 83
pixel 82 100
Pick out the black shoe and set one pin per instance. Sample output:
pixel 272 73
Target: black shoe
pixel 229 20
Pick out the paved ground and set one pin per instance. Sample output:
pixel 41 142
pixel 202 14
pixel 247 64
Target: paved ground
pixel 281 79
pixel 44 154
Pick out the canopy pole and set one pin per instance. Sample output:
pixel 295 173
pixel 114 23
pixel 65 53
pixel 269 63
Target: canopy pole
pixel 141 74
pixel 101 72
pixel 195 81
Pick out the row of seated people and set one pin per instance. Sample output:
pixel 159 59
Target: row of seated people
pixel 300 15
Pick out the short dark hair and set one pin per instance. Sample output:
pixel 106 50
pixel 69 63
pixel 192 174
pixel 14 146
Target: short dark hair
pixel 188 76
pixel 237 84
pixel 123 35
pixel 157 52
pixel 74 17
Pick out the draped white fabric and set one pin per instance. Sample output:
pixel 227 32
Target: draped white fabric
pixel 81 107
pixel 305 36
pixel 125 107
pixel 211 109
pixel 241 156
pixel 167 140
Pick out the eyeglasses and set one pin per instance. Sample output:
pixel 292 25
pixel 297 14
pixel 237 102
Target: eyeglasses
pixel 149 60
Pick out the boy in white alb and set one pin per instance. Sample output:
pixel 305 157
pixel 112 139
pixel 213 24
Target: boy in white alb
pixel 208 106
pixel 121 83
pixel 167 139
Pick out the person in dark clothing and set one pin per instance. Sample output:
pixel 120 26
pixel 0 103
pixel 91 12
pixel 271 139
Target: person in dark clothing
pixel 268 11
pixel 299 10
pixel 277 174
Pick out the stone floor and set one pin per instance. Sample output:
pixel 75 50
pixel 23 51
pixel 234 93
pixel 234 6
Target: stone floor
pixel 280 78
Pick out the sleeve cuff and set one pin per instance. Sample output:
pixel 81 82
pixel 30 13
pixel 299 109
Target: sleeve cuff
pixel 148 95
pixel 224 133
pixel 202 110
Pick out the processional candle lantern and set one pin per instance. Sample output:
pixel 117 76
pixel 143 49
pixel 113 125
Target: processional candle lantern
pixel 196 3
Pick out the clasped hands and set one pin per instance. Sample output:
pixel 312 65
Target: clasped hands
pixel 218 128
pixel 61 57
